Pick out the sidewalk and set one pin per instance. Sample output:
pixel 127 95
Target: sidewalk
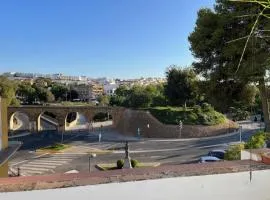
pixel 19 135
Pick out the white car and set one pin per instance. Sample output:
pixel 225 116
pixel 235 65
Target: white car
pixel 206 159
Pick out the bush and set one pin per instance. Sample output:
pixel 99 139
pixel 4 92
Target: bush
pixel 120 164
pixel 256 141
pixel 234 152
pixel 192 116
pixel 207 107
pixel 197 109
pixel 134 163
pixel 239 114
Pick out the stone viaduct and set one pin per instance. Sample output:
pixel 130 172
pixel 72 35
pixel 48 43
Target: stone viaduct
pixel 61 112
pixel 125 121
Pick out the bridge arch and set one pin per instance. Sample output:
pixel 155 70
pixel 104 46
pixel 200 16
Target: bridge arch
pixel 35 112
pixel 47 120
pixel 19 121
pixel 77 121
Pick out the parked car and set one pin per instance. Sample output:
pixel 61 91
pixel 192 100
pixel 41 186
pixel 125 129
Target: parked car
pixel 206 159
pixel 219 153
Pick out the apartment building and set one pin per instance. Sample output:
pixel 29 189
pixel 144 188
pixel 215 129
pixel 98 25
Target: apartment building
pixel 86 92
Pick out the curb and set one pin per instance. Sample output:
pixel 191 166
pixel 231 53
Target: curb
pixel 19 135
pixel 195 139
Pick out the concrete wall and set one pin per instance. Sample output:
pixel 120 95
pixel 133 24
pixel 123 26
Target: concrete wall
pixel 211 187
pixel 134 119
pixel 3 135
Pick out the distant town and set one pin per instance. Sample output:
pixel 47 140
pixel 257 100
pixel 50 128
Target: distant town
pixel 86 87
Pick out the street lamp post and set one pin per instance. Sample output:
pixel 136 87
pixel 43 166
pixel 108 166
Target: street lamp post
pixel 91 156
pixel 240 133
pixel 180 128
pixel 139 133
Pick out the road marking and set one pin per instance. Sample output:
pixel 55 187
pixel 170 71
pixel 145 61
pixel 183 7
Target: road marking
pixel 156 156
pixel 35 169
pixel 40 156
pixel 46 163
pixel 38 166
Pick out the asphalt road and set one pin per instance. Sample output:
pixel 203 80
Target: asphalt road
pixel 164 151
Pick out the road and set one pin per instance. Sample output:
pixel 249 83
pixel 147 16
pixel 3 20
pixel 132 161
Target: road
pixel 164 151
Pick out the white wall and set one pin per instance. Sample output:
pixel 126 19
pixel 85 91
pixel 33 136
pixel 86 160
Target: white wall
pixel 245 155
pixel 211 187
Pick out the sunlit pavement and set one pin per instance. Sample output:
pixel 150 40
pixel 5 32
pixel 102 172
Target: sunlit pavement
pixel 165 151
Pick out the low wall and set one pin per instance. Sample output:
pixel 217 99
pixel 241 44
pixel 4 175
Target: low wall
pixel 134 119
pixel 211 187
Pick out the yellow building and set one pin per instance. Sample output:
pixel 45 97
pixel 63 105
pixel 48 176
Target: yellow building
pixel 6 149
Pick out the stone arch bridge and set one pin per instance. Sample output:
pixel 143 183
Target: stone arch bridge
pixel 61 112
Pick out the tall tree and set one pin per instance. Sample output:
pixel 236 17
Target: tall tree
pixel 182 85
pixel 59 91
pixel 8 89
pixel 26 92
pixel 218 41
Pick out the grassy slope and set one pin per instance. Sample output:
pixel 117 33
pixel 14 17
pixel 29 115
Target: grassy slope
pixel 172 115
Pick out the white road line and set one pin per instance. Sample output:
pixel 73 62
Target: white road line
pixel 45 163
pixel 57 159
pixel 50 161
pixel 35 169
pixel 69 153
pixel 28 173
pixel 63 157
pixel 38 166
pixel 40 156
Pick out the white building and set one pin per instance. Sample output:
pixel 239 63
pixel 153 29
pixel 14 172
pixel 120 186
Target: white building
pixel 109 89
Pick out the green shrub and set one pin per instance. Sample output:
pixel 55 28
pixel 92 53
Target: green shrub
pixel 120 164
pixel 134 163
pixel 256 141
pixel 192 116
pixel 234 152
pixel 197 109
pixel 239 114
pixel 207 107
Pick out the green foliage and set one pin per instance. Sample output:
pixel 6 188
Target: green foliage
pixel 256 141
pixel 191 116
pixel 44 94
pixel 14 102
pixel 27 92
pixel 103 100
pixel 56 147
pixel 218 42
pixel 7 89
pixel 59 91
pixel 139 96
pixel 239 114
pixel 182 85
pixel 134 163
pixel 234 152
pixel 120 164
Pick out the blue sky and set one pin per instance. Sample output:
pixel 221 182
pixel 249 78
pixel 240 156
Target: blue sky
pixel 97 38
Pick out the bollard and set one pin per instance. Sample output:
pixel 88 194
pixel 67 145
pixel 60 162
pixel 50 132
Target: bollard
pixel 18 174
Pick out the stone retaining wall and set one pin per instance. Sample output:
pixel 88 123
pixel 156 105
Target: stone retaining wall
pixel 131 120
